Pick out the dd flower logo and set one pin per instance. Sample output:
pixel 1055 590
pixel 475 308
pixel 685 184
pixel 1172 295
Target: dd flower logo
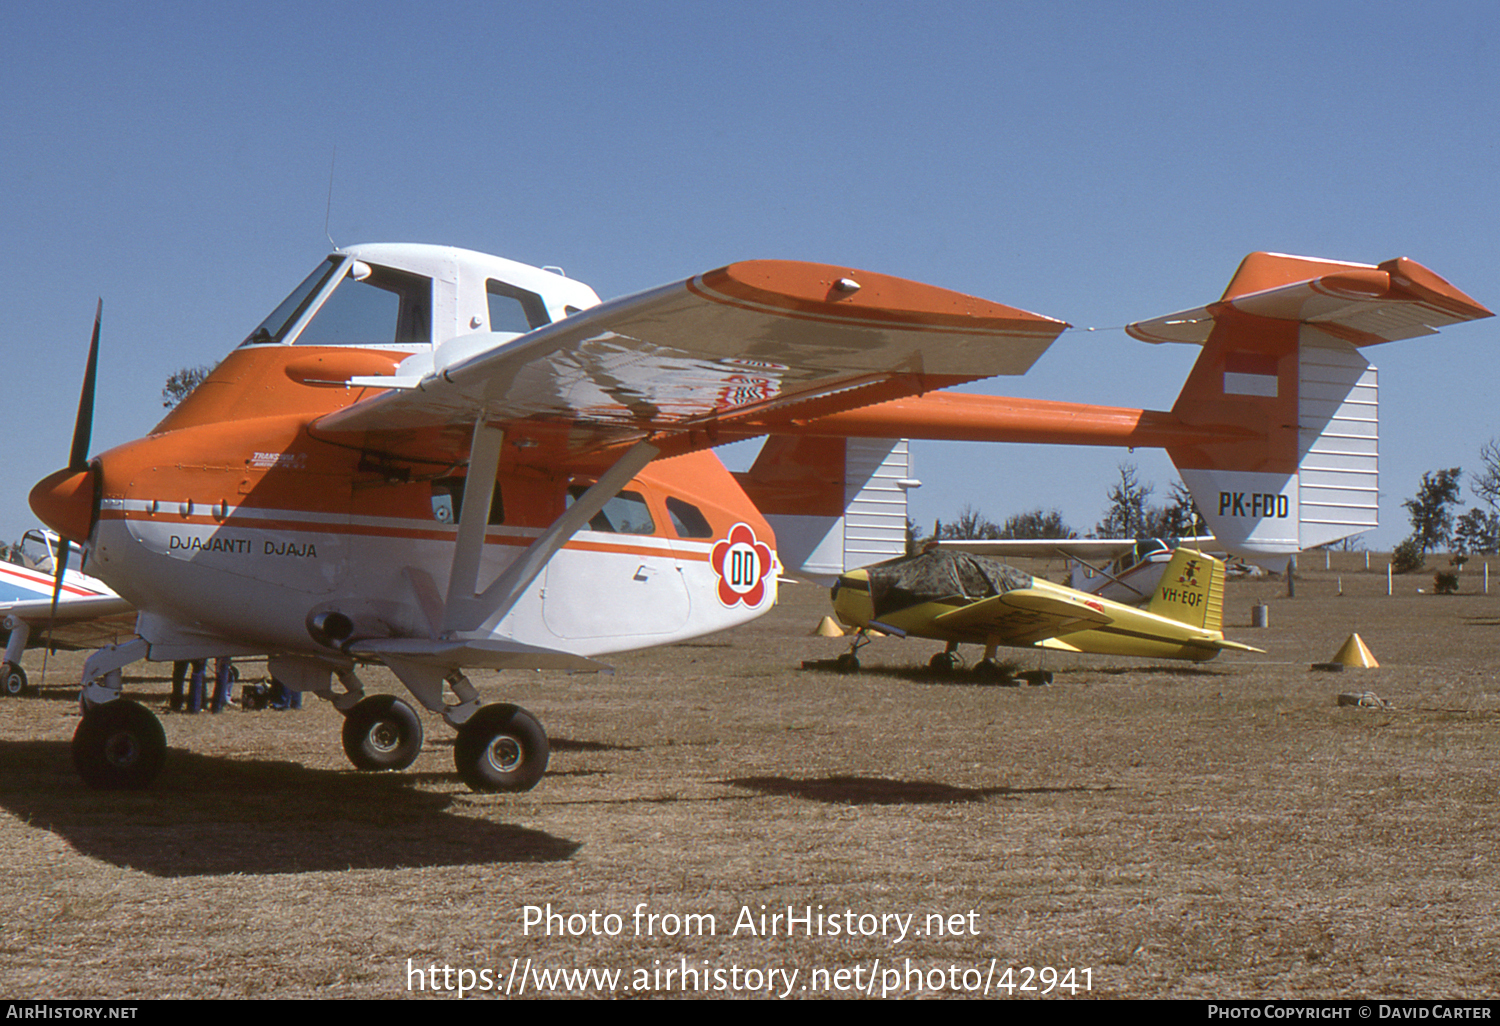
pixel 742 564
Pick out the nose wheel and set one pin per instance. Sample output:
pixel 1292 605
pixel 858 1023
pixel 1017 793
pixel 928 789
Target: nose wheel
pixel 501 748
pixel 119 746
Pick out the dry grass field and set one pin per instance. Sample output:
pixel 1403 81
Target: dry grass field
pixel 1224 830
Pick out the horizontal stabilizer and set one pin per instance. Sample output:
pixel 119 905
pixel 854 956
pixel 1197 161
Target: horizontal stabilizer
pixel 1362 304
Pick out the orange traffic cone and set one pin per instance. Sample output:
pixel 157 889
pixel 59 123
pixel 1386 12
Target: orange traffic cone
pixel 827 628
pixel 1356 653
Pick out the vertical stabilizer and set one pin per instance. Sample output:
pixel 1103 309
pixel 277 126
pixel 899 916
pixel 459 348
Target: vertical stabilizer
pixel 836 504
pixel 1191 591
pixel 1292 461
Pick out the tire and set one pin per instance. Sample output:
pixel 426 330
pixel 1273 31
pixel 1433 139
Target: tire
pixel 501 748
pixel 943 663
pixel 119 746
pixel 846 663
pixel 13 682
pixel 382 732
pixel 991 672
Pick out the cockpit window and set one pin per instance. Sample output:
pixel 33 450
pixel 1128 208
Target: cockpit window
pixel 39 552
pixel 271 330
pixel 513 309
pixel 387 308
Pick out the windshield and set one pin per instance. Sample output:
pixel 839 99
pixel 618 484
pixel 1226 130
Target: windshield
pixel 368 306
pixel 38 552
pixel 271 330
pixel 383 307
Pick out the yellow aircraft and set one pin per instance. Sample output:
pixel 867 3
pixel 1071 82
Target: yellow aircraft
pixel 962 598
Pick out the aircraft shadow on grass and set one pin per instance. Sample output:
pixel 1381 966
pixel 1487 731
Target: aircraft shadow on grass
pixel 856 790
pixel 210 816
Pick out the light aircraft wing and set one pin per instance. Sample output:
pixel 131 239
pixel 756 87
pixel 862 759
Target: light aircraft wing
pixel 728 344
pixel 87 613
pixel 1078 548
pixel 1024 617
pixel 1088 548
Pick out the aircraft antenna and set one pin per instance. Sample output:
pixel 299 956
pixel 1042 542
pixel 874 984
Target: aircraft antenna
pixel 328 214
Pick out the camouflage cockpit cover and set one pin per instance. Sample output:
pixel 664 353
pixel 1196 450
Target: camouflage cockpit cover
pixel 937 575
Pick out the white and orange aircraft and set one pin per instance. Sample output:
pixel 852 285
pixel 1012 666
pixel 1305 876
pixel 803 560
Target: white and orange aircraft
pixel 438 460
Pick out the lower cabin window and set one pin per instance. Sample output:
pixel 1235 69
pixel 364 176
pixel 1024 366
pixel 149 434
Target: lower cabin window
pixel 626 513
pixel 448 501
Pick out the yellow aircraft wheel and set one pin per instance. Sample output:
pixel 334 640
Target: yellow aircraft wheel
pixel 945 662
pixel 992 672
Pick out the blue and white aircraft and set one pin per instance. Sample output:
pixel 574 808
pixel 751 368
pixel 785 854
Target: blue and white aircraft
pixel 87 615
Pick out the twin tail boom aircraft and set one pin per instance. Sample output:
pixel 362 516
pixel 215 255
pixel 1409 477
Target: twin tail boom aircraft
pixel 437 460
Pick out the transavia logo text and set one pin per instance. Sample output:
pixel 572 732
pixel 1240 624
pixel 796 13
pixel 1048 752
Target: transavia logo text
pixel 1253 504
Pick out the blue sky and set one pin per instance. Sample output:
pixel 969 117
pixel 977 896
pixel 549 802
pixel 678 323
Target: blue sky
pixel 1098 162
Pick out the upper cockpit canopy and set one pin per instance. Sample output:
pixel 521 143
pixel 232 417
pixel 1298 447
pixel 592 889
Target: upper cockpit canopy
pixel 409 297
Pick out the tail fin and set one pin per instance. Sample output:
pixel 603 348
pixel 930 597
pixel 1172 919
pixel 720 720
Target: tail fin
pixel 836 504
pixel 1191 591
pixel 1282 370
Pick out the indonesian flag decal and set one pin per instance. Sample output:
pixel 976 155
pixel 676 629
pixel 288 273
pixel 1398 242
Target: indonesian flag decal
pixel 742 564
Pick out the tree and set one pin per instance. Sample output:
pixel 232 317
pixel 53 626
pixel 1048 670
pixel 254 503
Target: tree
pixel 1036 523
pixel 181 382
pixel 1180 517
pixel 970 524
pixel 1486 484
pixel 1128 515
pixel 1477 532
pixel 1407 557
pixel 1431 510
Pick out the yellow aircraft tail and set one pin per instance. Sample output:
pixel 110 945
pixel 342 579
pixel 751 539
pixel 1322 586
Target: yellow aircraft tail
pixel 1191 591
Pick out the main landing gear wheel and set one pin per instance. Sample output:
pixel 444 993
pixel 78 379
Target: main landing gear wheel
pixel 382 732
pixel 12 680
pixel 991 672
pixel 119 746
pixel 846 663
pixel 501 748
pixel 944 662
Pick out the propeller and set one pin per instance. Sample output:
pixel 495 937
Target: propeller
pixel 78 457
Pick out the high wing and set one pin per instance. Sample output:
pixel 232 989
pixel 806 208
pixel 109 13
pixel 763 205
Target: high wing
pixel 726 345
pixel 1024 617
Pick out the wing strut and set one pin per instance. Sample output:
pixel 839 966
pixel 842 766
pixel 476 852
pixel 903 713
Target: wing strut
pixel 473 519
pixel 481 612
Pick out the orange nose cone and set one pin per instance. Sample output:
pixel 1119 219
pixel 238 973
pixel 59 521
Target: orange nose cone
pixel 65 502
